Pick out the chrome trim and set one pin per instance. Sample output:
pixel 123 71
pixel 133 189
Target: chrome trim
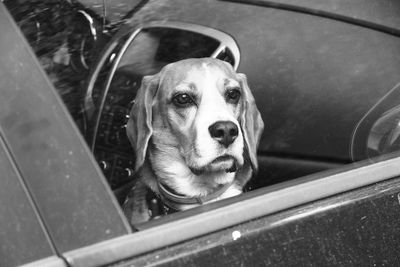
pixel 218 51
pixel 229 212
pixel 52 261
pixel 91 21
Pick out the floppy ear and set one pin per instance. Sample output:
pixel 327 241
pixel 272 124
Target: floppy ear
pixel 251 122
pixel 139 128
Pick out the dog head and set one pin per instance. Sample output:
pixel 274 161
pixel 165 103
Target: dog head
pixel 197 122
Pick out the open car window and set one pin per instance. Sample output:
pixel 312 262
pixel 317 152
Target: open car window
pixel 143 53
pixel 98 91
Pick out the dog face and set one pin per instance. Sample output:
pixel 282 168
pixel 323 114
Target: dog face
pixel 201 110
pixel 197 122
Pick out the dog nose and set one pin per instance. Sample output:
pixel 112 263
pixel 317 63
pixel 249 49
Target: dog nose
pixel 225 132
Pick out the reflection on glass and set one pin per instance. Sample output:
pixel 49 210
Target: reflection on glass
pixel 384 135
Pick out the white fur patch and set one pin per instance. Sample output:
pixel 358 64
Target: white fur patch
pixel 211 109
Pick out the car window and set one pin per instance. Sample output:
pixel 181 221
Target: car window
pixel 99 90
pixel 62 38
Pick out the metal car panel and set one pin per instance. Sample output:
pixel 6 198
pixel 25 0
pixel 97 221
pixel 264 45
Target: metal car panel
pixel 67 187
pixel 47 262
pixel 193 223
pixel 359 228
pixel 23 236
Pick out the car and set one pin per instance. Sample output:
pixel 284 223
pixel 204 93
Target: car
pixel 325 78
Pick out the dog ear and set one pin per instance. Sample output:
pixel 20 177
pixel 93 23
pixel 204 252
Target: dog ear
pixel 139 128
pixel 251 122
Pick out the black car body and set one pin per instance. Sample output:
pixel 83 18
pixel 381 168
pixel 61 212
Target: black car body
pixel 325 78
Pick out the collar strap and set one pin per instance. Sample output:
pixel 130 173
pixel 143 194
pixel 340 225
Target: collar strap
pixel 174 200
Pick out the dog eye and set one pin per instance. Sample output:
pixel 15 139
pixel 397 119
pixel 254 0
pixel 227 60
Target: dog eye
pixel 233 95
pixel 182 100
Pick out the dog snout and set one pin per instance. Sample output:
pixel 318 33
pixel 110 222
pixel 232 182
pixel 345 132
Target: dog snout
pixel 225 132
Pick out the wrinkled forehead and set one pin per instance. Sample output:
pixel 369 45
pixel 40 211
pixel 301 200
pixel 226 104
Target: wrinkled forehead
pixel 197 72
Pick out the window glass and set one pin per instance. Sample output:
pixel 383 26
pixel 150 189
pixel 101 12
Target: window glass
pixel 377 133
pixel 52 30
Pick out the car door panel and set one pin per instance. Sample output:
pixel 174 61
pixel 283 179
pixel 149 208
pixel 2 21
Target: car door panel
pixel 358 228
pixel 23 235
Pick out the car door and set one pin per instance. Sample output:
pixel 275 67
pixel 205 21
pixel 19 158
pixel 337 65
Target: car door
pixel 327 218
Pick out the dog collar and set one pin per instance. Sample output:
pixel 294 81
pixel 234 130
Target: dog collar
pixel 175 201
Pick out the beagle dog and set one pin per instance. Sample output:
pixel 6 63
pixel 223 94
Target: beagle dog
pixel 195 128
